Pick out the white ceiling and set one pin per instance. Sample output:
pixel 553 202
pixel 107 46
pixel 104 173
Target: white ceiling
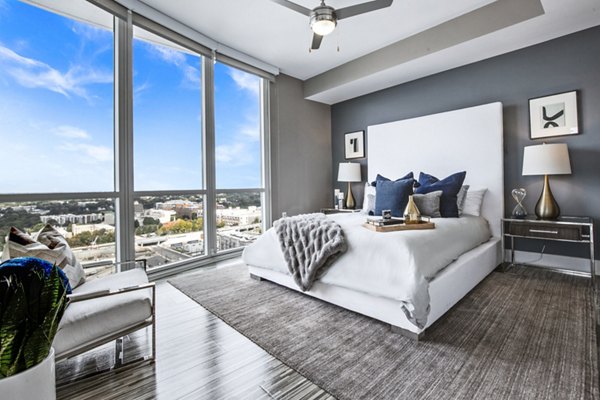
pixel 281 37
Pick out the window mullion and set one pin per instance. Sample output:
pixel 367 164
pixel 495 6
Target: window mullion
pixel 125 237
pixel 208 136
pixel 265 153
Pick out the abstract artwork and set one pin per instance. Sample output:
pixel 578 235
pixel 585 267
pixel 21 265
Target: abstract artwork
pixel 354 145
pixel 554 115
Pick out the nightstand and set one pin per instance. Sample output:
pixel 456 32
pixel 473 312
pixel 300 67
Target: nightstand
pixel 337 210
pixel 564 229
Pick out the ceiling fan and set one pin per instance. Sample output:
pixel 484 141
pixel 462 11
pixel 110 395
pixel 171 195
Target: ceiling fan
pixel 324 18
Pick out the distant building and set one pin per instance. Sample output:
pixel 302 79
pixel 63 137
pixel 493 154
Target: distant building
pixel 65 219
pixel 163 216
pixel 138 208
pixel 77 229
pixel 182 208
pixel 109 218
pixel 239 216
pixel 233 239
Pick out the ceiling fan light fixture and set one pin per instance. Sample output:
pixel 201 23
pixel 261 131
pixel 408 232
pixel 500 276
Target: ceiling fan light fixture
pixel 323 27
pixel 323 20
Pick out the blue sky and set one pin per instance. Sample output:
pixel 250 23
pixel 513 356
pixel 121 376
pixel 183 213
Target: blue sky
pixel 56 108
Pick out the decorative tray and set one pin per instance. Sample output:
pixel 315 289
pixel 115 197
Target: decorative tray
pixel 400 227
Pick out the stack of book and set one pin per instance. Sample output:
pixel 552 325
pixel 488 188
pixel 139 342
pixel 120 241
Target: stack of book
pixel 378 221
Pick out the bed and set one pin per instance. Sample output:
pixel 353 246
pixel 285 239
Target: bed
pixel 468 139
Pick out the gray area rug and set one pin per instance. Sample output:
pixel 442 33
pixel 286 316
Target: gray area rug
pixel 524 334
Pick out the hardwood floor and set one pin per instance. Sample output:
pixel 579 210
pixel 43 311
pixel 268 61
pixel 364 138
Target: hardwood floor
pixel 198 357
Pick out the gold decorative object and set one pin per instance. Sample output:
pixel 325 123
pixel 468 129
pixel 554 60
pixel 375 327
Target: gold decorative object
pixel 412 215
pixel 547 207
pixel 349 198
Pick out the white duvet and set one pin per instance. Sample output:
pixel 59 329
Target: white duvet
pixel 396 265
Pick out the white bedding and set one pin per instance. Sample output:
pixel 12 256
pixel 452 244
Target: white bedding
pixel 396 265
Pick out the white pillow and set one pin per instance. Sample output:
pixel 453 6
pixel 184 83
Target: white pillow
pixel 473 201
pixel 369 199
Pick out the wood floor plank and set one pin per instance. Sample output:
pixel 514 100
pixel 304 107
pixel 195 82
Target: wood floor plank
pixel 198 357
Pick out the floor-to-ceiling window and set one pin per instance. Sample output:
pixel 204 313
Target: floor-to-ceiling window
pixel 56 130
pixel 62 93
pixel 167 138
pixel 238 157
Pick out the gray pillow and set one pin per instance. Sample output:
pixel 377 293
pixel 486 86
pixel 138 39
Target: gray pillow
pixel 429 204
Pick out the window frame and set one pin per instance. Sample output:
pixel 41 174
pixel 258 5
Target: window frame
pixel 124 194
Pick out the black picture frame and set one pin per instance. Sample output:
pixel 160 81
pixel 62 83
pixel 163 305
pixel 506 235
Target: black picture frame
pixel 554 115
pixel 354 145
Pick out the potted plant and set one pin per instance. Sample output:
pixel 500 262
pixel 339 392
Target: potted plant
pixel 33 297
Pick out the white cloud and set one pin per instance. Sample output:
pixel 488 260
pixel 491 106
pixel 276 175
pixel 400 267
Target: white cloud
pixel 245 81
pixel 251 131
pixel 234 154
pixel 71 132
pixel 94 152
pixel 191 74
pixel 90 32
pixel 32 73
pixel 171 56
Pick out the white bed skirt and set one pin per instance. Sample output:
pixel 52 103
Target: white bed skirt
pixel 445 290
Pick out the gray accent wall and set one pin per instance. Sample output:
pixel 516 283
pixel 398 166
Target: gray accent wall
pixel 568 63
pixel 300 150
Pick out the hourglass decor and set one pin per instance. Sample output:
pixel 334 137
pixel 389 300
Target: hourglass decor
pixel 519 211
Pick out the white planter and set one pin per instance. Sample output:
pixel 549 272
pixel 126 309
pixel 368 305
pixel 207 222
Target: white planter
pixel 37 382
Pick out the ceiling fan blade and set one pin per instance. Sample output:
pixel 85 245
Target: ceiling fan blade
pixel 293 6
pixel 362 8
pixel 316 42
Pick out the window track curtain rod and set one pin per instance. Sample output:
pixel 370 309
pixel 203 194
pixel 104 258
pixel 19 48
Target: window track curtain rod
pixel 154 21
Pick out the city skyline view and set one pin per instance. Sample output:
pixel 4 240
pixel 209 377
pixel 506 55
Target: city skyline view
pixel 56 102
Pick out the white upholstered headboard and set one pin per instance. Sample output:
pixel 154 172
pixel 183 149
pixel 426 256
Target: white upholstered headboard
pixel 469 140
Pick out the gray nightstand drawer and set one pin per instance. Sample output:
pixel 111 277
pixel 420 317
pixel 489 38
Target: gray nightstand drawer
pixel 550 231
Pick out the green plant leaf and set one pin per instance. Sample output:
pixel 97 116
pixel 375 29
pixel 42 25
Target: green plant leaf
pixel 13 330
pixel 30 314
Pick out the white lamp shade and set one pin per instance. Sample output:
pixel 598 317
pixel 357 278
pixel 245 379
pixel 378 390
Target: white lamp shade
pixel 546 159
pixel 349 172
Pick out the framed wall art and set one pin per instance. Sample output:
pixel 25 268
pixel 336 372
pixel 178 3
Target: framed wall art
pixel 354 145
pixel 554 115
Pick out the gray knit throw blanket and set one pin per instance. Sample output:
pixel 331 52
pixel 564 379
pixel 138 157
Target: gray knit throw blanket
pixel 310 243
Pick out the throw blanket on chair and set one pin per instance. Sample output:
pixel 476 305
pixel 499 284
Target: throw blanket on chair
pixel 309 243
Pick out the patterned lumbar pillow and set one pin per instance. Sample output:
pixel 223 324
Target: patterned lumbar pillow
pixel 65 258
pixel 20 244
pixel 429 204
pixel 47 245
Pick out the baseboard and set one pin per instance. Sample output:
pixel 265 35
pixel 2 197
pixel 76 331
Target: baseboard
pixel 574 264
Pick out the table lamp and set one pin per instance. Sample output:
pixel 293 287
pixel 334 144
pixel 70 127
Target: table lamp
pixel 349 172
pixel 546 159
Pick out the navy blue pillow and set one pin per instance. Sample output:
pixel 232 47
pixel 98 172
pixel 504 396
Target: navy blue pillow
pixel 393 195
pixel 449 186
pixel 410 175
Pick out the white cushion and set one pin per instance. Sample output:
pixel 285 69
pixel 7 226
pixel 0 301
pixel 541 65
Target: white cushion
pixel 89 320
pixel 369 198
